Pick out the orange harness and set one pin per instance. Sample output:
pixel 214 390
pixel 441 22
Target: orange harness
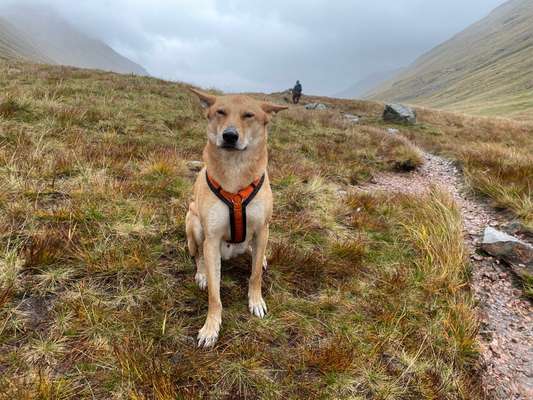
pixel 236 203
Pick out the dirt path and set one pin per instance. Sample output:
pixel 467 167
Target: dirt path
pixel 506 333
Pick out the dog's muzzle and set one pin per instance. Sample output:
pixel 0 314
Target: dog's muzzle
pixel 230 137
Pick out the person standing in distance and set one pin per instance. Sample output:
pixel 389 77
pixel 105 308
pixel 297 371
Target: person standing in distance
pixel 297 92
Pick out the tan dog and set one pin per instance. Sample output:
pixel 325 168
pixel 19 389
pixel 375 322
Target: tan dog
pixel 232 203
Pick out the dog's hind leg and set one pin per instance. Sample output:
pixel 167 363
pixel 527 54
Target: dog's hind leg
pixel 195 240
pixel 250 252
pixel 190 228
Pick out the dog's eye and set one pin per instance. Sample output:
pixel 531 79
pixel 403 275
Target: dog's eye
pixel 248 115
pixel 221 112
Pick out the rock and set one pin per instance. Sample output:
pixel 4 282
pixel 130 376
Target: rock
pixel 513 227
pixel 341 193
pixel 354 119
pixel 399 113
pixel 316 106
pixel 517 227
pixel 195 166
pixel 392 131
pixel 489 276
pixel 516 253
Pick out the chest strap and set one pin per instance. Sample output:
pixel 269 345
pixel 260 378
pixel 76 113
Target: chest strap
pixel 236 203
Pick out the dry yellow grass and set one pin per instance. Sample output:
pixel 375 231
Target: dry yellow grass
pixel 496 155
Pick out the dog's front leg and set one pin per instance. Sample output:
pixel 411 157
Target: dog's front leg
pixel 256 304
pixel 208 335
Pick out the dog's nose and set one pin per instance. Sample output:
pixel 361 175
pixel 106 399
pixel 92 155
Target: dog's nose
pixel 230 135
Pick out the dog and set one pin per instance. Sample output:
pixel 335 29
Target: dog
pixel 232 200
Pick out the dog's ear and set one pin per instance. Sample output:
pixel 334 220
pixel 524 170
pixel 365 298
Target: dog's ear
pixel 207 99
pixel 271 108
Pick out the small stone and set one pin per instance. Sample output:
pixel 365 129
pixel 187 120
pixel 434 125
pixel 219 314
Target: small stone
pixel 354 119
pixel 195 166
pixel 315 106
pixel 342 193
pixel 489 276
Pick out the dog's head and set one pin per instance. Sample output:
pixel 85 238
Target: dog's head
pixel 237 122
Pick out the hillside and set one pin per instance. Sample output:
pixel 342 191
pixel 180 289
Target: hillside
pixel 361 88
pixel 16 45
pixel 486 69
pixel 97 295
pixel 40 35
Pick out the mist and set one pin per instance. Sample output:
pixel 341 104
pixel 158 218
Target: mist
pixel 234 45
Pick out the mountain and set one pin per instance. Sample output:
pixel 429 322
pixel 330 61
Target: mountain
pixel 15 44
pixel 487 69
pixel 365 85
pixel 40 35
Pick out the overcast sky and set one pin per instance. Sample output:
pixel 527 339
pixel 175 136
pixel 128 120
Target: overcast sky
pixel 253 45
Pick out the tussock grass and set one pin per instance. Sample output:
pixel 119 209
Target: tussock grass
pixel 404 156
pixel 367 294
pixel 495 154
pixel 9 107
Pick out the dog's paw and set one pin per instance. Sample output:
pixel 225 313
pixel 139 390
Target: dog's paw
pixel 208 335
pixel 257 307
pixel 201 280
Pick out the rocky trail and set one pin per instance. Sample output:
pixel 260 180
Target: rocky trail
pixel 506 316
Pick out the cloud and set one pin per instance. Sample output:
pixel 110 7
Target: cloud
pixel 240 45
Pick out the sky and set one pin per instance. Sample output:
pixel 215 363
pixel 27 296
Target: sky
pixel 264 46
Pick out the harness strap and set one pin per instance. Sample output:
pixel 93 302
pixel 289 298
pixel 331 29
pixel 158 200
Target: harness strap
pixel 236 203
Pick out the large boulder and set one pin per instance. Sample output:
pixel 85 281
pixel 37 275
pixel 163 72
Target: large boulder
pixel 515 252
pixel 316 106
pixel 399 113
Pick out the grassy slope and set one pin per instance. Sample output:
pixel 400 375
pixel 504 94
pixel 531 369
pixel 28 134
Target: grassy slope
pixel 366 294
pixel 486 69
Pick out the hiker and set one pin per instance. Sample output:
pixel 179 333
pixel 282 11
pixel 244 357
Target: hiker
pixel 297 92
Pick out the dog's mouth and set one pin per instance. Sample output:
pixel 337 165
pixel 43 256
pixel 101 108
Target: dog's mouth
pixel 231 147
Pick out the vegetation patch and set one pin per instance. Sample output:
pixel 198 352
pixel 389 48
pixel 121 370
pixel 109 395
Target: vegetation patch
pixel 496 155
pixel 367 295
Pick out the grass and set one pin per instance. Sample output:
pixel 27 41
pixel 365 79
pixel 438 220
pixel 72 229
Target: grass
pixel 496 155
pixel 368 294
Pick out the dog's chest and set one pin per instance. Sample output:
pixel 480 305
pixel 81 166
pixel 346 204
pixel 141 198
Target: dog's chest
pixel 218 219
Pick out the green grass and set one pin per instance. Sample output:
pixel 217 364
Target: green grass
pixel 367 294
